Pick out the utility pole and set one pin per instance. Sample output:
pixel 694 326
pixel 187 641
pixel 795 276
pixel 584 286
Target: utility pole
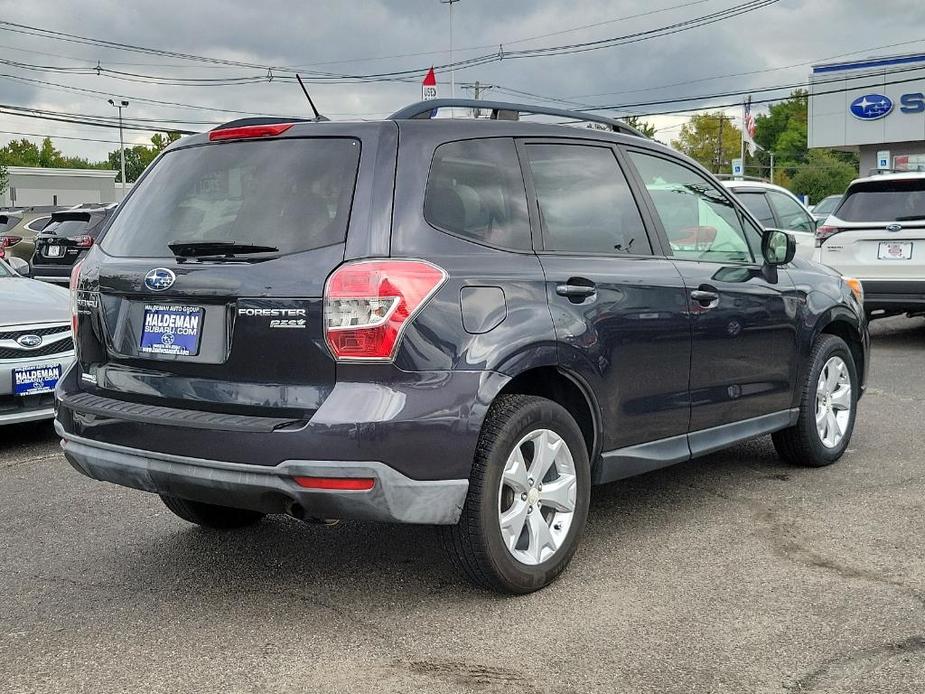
pixel 719 145
pixel 120 105
pixel 452 69
pixel 477 90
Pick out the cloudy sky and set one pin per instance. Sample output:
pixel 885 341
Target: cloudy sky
pixel 770 46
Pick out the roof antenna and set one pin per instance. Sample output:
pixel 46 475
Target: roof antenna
pixel 318 116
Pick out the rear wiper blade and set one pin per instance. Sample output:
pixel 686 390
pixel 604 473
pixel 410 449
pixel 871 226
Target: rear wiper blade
pixel 911 218
pixel 225 249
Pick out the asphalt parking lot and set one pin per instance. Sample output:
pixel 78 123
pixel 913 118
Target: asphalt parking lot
pixel 732 573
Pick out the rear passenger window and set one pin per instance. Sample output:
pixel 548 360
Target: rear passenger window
pixel 585 202
pixel 758 205
pixel 475 189
pixel 792 215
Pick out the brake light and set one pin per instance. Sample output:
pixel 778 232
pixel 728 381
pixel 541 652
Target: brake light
pixel 825 232
pixel 250 131
pixel 82 241
pixel 343 484
pixel 9 240
pixel 368 303
pixel 75 280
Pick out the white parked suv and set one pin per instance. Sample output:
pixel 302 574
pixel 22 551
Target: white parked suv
pixel 777 208
pixel 877 234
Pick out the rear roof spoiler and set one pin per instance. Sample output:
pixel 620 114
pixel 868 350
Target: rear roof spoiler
pixel 501 110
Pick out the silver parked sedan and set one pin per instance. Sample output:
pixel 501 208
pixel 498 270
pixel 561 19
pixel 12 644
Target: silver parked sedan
pixel 36 346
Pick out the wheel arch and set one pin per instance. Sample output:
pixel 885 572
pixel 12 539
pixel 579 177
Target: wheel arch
pixel 843 323
pixel 566 389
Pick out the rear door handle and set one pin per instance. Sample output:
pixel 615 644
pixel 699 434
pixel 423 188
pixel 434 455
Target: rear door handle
pixel 573 291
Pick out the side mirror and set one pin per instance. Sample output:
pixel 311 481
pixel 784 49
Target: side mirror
pixel 777 247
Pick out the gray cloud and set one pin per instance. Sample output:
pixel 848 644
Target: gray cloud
pixel 317 34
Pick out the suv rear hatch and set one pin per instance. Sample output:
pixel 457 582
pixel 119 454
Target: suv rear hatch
pixel 66 235
pixel 878 231
pixel 206 292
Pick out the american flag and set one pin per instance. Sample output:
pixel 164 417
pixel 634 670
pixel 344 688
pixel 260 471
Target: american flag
pixel 748 134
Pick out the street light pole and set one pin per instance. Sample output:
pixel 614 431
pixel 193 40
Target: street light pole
pixel 120 105
pixel 452 69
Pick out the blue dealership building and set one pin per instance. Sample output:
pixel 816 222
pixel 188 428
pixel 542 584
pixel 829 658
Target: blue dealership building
pixel 872 106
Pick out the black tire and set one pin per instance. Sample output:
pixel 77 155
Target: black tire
pixel 801 444
pixel 475 545
pixel 210 515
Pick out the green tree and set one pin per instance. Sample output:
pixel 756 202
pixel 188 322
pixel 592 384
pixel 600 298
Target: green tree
pixel 824 173
pixel 700 139
pixel 138 158
pixel 49 157
pixel 20 152
pixel 783 129
pixel 642 126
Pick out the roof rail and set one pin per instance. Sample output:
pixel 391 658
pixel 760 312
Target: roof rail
pixel 730 177
pixel 501 110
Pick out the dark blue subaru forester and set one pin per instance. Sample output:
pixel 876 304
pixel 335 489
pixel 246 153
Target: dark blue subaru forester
pixel 465 323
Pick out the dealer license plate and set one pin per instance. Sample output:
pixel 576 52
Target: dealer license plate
pixel 171 329
pixel 895 250
pixel 32 380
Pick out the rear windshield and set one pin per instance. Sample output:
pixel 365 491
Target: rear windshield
pixel 826 205
pixel 67 227
pixel 7 222
pixel 292 194
pixel 884 201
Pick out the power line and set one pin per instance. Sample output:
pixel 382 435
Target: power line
pixel 59 137
pixel 320 77
pixel 79 119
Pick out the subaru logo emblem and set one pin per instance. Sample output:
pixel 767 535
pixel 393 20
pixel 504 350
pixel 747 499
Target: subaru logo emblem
pixel 871 107
pixel 159 279
pixel 894 227
pixel 30 341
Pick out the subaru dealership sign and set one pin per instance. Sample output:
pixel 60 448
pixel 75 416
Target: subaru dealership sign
pixel 871 107
pixel 868 106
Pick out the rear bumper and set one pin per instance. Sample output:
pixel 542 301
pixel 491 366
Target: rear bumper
pixel 894 295
pixel 57 274
pixel 393 498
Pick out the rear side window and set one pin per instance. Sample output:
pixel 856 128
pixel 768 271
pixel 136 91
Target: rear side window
pixel 292 194
pixel 475 189
pixel 884 201
pixel 758 205
pixel 792 215
pixel 585 201
pixel 38 224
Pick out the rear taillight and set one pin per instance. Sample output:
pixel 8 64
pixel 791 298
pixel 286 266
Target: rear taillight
pixel 368 303
pixel 9 240
pixel 824 232
pixel 250 131
pixel 75 280
pixel 82 241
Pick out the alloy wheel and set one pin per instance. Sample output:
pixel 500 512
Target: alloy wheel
pixel 833 402
pixel 537 497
